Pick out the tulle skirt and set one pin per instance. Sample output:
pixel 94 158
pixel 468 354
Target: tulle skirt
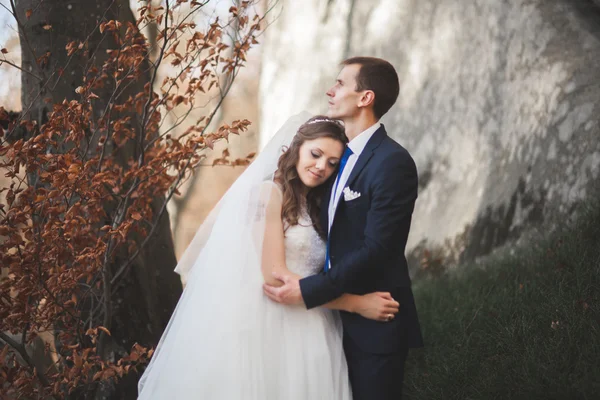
pixel 237 344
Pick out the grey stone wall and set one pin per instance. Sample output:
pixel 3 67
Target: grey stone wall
pixel 498 103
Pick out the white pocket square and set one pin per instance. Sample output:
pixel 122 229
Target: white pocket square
pixel 350 194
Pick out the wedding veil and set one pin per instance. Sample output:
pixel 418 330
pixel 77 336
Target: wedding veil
pixel 242 201
pixel 222 268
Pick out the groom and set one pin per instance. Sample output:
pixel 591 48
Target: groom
pixel 367 209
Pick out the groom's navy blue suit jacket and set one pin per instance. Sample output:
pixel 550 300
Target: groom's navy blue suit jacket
pixel 367 243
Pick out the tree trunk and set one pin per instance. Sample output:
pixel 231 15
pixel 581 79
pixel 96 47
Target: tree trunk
pixel 143 305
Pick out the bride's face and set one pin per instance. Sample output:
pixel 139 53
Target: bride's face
pixel 318 159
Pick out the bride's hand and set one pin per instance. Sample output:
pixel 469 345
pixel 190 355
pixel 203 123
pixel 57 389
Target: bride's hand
pixel 379 306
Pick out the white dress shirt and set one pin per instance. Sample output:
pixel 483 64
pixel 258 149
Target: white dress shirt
pixel 357 145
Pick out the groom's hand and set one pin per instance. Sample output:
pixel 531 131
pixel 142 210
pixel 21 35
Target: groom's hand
pixel 289 293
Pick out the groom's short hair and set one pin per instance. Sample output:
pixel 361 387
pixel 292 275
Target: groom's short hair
pixel 379 76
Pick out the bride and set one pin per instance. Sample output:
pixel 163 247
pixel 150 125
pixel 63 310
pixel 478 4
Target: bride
pixel 226 340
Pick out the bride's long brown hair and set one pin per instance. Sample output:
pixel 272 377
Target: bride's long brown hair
pixel 287 175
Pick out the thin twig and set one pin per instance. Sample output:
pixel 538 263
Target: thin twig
pixel 20 69
pixel 473 319
pixel 20 348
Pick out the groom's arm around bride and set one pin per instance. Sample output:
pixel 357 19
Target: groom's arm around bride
pixel 387 221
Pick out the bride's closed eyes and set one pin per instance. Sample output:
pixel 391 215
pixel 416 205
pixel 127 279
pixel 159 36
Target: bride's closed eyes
pixel 317 154
pixel 318 159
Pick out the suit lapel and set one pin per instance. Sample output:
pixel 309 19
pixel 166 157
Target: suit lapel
pixel 366 154
pixel 362 161
pixel 364 158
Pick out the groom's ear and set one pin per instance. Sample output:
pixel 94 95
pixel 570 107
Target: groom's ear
pixel 367 99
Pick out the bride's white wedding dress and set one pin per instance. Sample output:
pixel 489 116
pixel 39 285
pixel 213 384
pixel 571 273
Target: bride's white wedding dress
pixel 229 344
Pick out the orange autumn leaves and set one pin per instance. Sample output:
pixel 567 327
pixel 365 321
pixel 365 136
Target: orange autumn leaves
pixel 79 205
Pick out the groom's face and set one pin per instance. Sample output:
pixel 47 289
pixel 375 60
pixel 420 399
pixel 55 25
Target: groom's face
pixel 343 98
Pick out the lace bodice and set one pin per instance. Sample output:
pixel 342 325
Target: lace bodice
pixel 304 249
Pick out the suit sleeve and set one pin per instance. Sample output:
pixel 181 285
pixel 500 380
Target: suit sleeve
pixel 394 192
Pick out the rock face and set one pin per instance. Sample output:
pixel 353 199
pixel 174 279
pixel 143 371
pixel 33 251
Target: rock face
pixel 498 103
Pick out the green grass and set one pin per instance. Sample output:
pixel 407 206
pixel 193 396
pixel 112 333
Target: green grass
pixel 489 331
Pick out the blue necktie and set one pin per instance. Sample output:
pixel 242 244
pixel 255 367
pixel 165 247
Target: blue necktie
pixel 343 161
